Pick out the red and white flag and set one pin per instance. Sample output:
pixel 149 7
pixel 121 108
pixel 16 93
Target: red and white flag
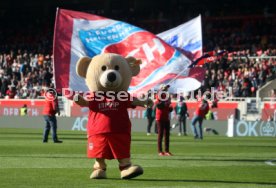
pixel 80 34
pixel 186 37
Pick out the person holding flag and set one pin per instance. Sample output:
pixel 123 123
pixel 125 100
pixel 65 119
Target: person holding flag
pixel 163 110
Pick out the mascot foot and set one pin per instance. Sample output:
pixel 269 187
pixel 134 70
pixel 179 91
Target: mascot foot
pixel 98 174
pixel 131 172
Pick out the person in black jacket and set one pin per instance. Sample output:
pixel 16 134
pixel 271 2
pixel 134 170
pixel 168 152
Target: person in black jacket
pixel 181 111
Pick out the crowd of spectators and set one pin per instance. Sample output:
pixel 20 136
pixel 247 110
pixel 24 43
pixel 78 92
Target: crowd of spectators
pixel 24 75
pixel 237 75
pixel 26 62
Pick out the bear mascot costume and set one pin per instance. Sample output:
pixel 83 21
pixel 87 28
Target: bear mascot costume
pixel 108 77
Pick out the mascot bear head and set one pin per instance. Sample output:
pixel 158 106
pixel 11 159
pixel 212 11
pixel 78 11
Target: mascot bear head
pixel 108 71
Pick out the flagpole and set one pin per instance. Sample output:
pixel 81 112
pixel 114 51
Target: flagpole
pixel 190 66
pixel 54 40
pixel 172 80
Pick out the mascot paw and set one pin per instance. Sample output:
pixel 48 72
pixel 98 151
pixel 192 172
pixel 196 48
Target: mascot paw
pixel 131 172
pixel 98 174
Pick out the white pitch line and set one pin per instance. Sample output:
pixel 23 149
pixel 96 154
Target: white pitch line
pixel 270 162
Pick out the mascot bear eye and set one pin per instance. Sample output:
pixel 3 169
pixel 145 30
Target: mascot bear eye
pixel 116 67
pixel 104 68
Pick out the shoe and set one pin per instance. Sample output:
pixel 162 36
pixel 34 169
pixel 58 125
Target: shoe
pixel 148 134
pixel 44 141
pixel 161 154
pixel 179 134
pixel 132 172
pixel 168 154
pixel 185 134
pixel 98 174
pixel 58 141
pixel 196 137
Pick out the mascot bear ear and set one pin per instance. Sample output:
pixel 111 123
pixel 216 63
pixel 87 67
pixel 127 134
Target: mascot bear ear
pixel 134 65
pixel 82 65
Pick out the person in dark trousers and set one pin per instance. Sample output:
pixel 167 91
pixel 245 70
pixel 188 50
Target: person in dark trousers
pixel 50 110
pixel 163 109
pixel 153 116
pixel 200 114
pixel 150 119
pixel 181 111
pixel 149 115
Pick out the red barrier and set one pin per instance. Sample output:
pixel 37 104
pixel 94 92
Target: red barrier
pixel 268 110
pixel 35 107
pixel 12 107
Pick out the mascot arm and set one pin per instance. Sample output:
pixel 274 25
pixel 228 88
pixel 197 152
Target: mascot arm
pixel 80 100
pixel 143 103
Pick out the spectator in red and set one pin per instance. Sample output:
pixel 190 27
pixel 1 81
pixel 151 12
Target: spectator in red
pixel 200 113
pixel 11 92
pixel 51 108
pixel 163 109
pixel 221 87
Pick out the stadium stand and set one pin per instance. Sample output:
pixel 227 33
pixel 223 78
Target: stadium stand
pixel 247 34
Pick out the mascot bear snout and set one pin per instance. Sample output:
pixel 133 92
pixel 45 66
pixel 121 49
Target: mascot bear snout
pixel 111 79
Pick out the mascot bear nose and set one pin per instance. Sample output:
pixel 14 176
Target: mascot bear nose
pixel 111 76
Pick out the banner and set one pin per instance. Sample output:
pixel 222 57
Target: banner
pixel 251 128
pixel 80 34
pixel 223 112
pixel 212 56
pixel 12 107
pixel 269 111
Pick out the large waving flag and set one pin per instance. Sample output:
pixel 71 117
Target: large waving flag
pixel 80 34
pixel 186 37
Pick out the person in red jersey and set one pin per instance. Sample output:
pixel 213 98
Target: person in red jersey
pixel 163 110
pixel 200 113
pixel 50 110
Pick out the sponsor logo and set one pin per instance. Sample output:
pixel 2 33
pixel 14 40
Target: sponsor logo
pixel 245 128
pixel 268 128
pixel 257 128
pixel 80 124
pixel 108 106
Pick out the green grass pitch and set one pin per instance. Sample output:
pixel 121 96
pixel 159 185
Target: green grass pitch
pixel 217 161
